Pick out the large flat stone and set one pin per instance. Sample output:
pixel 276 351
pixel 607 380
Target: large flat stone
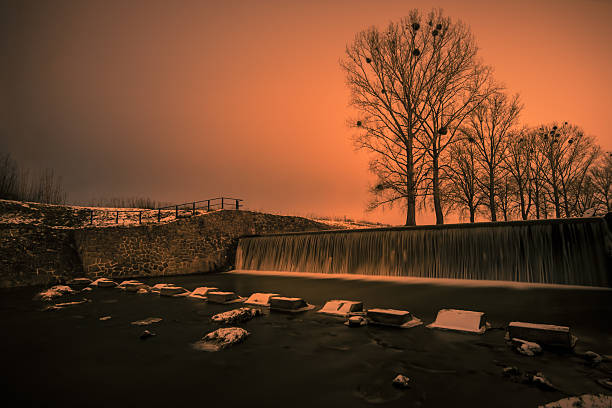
pixel 202 292
pixel 460 320
pixel 392 317
pixel 260 299
pixel 222 297
pixel 342 308
pixel 287 304
pixel 543 334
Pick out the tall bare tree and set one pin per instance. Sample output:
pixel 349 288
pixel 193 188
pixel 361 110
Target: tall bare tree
pixel 462 85
pixel 601 178
pixel 518 164
pixel 488 128
pixel 569 155
pixel 9 177
pixel 463 191
pixel 400 78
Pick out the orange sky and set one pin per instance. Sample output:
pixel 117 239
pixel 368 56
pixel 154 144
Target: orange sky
pixel 189 100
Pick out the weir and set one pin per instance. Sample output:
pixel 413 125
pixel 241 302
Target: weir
pixel 558 251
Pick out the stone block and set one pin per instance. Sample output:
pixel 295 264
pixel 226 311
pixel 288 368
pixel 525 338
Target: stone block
pixel 543 334
pixel 460 320
pixel 392 317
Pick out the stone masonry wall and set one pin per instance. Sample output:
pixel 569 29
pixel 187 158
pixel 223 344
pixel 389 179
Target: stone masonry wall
pixel 193 245
pixel 36 255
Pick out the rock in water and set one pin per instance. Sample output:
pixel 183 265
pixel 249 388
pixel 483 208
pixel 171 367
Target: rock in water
pixel 239 315
pixel 53 292
pixel 221 338
pixel 526 348
pixel 356 321
pixel 104 283
pixel 585 401
pixel 79 282
pixel 592 357
pixel 401 381
pixel 147 321
pixel 146 334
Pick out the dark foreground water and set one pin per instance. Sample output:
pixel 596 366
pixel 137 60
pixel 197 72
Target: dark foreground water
pixel 69 358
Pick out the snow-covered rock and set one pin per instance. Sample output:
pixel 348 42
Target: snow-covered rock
pixel 146 334
pixel 460 320
pixel 343 308
pixel 239 315
pixel 392 317
pixel 543 334
pixel 526 348
pixel 583 401
pixel 401 381
pixel 147 321
pixel 79 282
pixel 289 304
pixel 53 292
pixel 59 306
pixel 221 338
pixel 202 292
pixel 356 321
pixel 260 299
pixel 104 283
pixel 174 291
pixel 131 285
pixel 223 297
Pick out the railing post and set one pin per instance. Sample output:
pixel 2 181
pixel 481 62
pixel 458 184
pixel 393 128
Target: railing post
pixel 140 217
pixel 117 218
pixel 221 202
pixel 194 208
pixel 158 215
pixel 176 214
pixel 237 205
pixel 208 203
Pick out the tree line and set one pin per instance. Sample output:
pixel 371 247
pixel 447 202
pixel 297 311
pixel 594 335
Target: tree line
pixel 21 184
pixel 445 135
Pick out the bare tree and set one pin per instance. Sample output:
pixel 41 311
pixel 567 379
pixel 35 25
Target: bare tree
pixel 488 128
pixel 518 164
pixel 463 190
pixel 8 177
pixel 569 155
pixel 463 83
pixel 601 179
pixel 399 78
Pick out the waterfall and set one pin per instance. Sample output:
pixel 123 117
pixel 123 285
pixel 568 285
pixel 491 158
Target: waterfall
pixel 560 251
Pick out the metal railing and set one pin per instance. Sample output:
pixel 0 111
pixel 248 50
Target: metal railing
pixel 183 210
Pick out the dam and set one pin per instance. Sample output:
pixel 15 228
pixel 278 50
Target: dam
pixel 555 251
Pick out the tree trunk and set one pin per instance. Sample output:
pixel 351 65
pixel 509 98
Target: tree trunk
pixel 436 190
pixel 472 214
pixel 410 189
pixel 492 196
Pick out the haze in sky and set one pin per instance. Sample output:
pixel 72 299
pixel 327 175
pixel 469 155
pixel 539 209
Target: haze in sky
pixel 180 101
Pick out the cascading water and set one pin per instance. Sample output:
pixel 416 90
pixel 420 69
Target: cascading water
pixel 562 251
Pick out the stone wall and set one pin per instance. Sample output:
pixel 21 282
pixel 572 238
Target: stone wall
pixel 193 245
pixel 36 255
